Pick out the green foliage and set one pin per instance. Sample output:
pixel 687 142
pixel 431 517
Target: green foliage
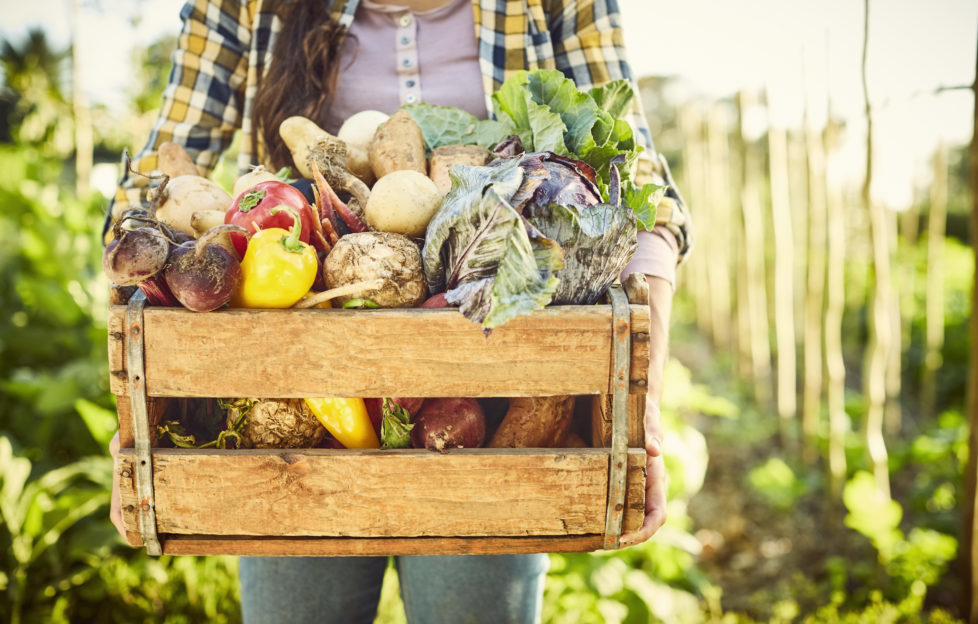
pixel 776 482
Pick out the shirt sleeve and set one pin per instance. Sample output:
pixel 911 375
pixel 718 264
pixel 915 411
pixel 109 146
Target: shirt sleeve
pixel 589 48
pixel 657 255
pixel 202 103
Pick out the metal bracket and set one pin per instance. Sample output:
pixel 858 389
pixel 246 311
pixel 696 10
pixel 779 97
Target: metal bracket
pixel 621 358
pixel 135 361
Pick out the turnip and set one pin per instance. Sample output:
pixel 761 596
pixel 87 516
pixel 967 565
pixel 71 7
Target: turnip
pixel 403 202
pixel 357 132
pixel 202 274
pixel 136 256
pixel 365 256
pixel 445 423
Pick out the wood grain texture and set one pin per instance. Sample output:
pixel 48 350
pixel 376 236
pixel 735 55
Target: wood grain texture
pixel 405 493
pixel 601 420
pixel 404 352
pixel 381 546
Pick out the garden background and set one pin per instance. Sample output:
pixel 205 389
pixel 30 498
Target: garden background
pixel 817 395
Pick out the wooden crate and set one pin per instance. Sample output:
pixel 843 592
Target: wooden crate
pixel 357 502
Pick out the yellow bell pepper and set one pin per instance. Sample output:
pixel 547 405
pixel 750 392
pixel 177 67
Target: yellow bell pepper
pixel 277 268
pixel 347 420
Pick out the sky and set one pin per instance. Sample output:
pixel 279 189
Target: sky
pixel 789 47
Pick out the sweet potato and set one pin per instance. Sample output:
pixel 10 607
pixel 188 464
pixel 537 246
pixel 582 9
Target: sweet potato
pixel 444 423
pixel 398 144
pixel 174 161
pixel 447 156
pixel 534 422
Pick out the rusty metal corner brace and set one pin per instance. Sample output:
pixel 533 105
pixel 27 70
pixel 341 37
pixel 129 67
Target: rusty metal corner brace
pixel 135 362
pixel 621 357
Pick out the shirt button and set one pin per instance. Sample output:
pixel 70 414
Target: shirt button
pixel 405 40
pixel 409 83
pixel 405 20
pixel 410 99
pixel 406 62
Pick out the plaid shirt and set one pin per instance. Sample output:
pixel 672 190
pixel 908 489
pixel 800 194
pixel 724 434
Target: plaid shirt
pixel 226 45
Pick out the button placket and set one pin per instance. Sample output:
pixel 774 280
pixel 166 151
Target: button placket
pixel 406 44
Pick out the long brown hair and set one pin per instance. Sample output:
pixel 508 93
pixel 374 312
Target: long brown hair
pixel 301 78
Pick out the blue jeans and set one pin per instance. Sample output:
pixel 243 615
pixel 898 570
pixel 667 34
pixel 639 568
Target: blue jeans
pixel 455 589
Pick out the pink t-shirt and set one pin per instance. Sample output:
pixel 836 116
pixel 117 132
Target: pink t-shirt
pixel 433 56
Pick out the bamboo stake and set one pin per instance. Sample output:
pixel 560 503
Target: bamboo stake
pixel 934 297
pixel 81 111
pixel 814 299
pixel 892 411
pixel 784 323
pixel 970 529
pixel 718 266
pixel 835 296
pixel 880 332
pixel 755 280
pixel 694 183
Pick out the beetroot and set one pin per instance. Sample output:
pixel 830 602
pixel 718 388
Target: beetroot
pixel 134 256
pixel 436 301
pixel 444 423
pixel 203 275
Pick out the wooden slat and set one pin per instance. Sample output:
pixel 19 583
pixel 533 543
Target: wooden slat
pixel 406 493
pixel 355 546
pixel 601 420
pixel 405 352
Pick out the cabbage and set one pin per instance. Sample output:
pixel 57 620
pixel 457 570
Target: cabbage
pixel 523 232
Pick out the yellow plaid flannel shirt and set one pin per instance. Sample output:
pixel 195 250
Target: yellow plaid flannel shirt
pixel 225 46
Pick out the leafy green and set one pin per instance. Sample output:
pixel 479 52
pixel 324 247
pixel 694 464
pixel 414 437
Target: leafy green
pixel 482 252
pixel 444 125
pixel 395 426
pixel 547 111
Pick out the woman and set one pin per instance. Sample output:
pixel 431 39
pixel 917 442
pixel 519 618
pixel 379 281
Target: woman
pixel 246 65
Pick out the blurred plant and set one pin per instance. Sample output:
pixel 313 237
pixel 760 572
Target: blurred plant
pixel 38 111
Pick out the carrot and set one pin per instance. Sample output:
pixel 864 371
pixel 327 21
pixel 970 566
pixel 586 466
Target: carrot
pixel 534 422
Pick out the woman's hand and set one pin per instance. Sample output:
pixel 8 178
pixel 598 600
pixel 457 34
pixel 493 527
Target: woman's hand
pixel 115 507
pixel 660 307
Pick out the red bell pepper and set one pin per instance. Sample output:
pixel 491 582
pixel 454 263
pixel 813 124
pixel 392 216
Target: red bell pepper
pixel 252 210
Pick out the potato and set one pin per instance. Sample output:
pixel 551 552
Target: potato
pixel 186 195
pixel 403 202
pixel 364 256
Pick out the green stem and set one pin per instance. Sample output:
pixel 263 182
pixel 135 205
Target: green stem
pixel 290 242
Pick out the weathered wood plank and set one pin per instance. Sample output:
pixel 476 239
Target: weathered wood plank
pixel 297 353
pixel 406 493
pixel 384 546
pixel 601 420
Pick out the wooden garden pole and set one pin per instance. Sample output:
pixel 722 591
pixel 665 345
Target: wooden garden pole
pixel 784 259
pixel 753 251
pixel 814 297
pixel 970 546
pixel 934 298
pixel 880 331
pixel 694 184
pixel 718 266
